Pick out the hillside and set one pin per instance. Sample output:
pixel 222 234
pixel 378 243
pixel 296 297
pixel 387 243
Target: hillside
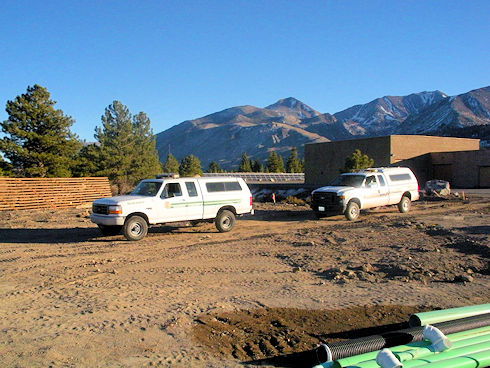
pixel 223 136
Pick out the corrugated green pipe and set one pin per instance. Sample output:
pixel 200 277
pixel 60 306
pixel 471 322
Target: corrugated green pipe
pixel 429 318
pixel 344 362
pixel 448 354
pixel 420 352
pixel 444 357
pixel 477 360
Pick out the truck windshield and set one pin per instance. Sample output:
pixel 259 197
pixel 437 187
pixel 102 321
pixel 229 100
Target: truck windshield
pixel 348 181
pixel 147 188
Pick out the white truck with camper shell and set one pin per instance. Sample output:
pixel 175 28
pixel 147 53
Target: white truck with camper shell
pixel 350 193
pixel 173 199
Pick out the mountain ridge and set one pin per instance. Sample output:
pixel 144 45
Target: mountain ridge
pixel 224 135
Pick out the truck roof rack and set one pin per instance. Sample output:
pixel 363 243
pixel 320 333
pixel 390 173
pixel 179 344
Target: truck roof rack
pixel 167 175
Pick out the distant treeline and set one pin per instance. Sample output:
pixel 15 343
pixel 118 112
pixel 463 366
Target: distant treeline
pixel 37 142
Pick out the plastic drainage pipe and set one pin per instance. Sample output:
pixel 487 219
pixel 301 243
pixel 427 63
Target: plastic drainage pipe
pixel 481 359
pixel 429 318
pixel 429 350
pixel 465 351
pixel 455 337
pixel 342 349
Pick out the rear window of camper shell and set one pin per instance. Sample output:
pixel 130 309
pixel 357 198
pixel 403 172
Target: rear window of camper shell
pixel 223 186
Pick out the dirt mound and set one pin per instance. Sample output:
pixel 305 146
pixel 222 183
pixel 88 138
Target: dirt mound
pixel 270 333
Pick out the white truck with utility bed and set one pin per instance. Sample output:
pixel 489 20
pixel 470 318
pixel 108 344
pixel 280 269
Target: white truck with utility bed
pixel 369 188
pixel 158 201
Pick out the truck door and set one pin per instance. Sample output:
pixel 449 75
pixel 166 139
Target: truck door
pixel 194 202
pixel 172 202
pixel 371 193
pixel 384 191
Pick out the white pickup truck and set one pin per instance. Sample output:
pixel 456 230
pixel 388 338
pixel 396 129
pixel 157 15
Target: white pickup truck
pixel 157 201
pixel 351 192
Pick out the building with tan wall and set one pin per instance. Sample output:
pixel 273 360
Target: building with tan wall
pixel 323 161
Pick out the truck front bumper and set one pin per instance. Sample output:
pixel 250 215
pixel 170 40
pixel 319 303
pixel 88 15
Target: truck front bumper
pixel 336 209
pixel 107 220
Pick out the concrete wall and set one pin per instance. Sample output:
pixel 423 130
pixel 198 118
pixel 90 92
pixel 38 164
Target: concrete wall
pixel 404 147
pixel 467 169
pixel 323 161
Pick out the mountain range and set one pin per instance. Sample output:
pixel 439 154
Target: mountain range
pixel 223 136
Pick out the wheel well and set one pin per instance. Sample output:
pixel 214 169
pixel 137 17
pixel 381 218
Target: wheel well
pixel 229 208
pixel 407 194
pixel 141 214
pixel 357 201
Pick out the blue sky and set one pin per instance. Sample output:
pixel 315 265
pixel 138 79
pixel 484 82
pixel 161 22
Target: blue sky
pixel 179 60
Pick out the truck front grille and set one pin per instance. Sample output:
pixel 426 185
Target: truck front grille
pixel 101 209
pixel 325 198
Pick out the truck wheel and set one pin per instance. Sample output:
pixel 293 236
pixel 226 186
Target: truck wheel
pixel 109 230
pixel 224 221
pixel 404 205
pixel 135 228
pixel 352 211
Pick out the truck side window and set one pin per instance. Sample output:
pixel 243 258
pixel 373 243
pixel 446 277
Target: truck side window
pixel 191 188
pixel 371 181
pixel 171 190
pixel 381 181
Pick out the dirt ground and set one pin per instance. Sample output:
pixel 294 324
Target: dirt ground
pixel 280 283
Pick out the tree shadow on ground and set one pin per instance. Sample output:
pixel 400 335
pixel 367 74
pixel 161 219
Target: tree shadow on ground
pixel 81 235
pixel 282 215
pixel 51 236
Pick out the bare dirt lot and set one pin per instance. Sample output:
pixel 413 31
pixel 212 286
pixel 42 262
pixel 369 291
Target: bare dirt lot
pixel 279 283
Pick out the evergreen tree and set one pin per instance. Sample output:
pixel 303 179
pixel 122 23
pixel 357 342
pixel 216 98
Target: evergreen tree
pixel 127 147
pixel 256 166
pixel 275 163
pixel 190 166
pixel 171 165
pixel 357 161
pixel 89 161
pixel 214 167
pixel 292 164
pixel 244 164
pixel 38 141
pixel 145 156
pixel 117 141
pixel 5 168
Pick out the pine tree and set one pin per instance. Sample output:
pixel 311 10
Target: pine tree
pixel 275 163
pixel 244 164
pixel 190 166
pixel 292 164
pixel 214 167
pixel 145 162
pixel 357 161
pixel 89 162
pixel 117 142
pixel 38 141
pixel 171 165
pixel 256 166
pixel 127 147
pixel 5 168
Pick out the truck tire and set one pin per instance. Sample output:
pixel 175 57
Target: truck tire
pixel 404 205
pixel 135 228
pixel 109 230
pixel 352 211
pixel 224 221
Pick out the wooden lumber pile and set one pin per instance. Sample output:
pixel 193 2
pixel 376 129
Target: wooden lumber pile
pixel 50 193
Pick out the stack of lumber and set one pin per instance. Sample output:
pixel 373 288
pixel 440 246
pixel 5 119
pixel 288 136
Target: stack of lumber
pixel 50 193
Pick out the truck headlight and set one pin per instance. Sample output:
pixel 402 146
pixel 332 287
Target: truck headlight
pixel 115 210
